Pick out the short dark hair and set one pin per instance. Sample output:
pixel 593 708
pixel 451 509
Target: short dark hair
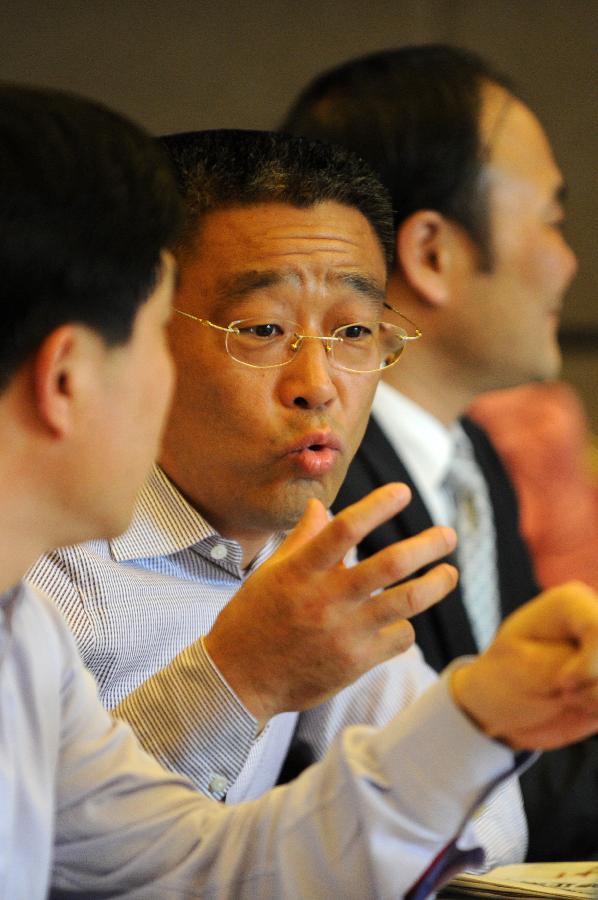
pixel 87 203
pixel 231 168
pixel 413 113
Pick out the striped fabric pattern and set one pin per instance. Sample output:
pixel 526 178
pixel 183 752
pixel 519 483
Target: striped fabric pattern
pixel 138 606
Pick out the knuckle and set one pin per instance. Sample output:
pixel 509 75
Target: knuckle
pixel 393 565
pixel 411 595
pixel 403 638
pixel 345 529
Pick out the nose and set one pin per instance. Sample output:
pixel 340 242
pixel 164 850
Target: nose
pixel 308 381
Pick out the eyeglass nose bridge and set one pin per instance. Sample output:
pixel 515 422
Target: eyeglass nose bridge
pixel 327 340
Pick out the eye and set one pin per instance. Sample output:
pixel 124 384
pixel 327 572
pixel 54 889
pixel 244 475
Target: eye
pixel 355 332
pixel 264 330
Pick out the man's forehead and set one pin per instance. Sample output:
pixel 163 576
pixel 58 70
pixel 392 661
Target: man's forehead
pixel 272 221
pixel 243 283
pixel 248 249
pixel 516 145
pixel 510 129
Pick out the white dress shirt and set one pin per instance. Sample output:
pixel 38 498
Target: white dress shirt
pixel 427 449
pixel 85 810
pixel 423 444
pixel 137 605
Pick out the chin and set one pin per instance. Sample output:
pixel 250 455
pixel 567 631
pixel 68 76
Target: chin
pixel 286 513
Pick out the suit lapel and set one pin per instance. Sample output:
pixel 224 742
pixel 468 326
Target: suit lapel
pixel 385 466
pixel 448 618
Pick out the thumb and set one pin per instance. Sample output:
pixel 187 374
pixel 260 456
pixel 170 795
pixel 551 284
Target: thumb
pixel 311 523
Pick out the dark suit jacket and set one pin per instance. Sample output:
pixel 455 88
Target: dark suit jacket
pixel 561 790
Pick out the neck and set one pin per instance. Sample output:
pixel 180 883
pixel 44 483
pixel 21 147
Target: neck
pixel 250 540
pixel 427 372
pixel 21 527
pixel 432 386
pixel 251 543
pixel 36 512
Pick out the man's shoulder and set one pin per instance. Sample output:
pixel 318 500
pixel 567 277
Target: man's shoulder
pixel 38 628
pixel 67 563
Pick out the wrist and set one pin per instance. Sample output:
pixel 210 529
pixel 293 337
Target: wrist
pixel 471 694
pixel 237 682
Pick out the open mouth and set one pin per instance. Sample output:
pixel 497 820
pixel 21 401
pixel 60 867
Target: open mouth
pixel 316 454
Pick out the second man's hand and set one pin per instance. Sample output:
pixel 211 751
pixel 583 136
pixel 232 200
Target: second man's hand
pixel 304 625
pixel 536 686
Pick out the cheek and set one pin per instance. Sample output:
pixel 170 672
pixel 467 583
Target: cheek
pixel 357 397
pixel 544 264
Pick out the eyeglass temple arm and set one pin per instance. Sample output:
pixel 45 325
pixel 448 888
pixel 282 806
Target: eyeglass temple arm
pixel 181 312
pixel 408 337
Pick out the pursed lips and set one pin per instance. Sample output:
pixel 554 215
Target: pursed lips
pixel 315 453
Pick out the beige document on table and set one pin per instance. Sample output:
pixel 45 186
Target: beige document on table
pixel 575 879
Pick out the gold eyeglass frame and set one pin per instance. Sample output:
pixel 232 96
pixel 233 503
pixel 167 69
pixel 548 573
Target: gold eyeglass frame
pixel 296 346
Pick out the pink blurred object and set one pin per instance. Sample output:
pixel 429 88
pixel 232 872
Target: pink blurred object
pixel 542 434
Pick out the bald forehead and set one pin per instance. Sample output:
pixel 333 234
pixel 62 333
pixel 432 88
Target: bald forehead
pixel 508 126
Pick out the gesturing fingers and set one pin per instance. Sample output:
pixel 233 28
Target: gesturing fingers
pixel 351 525
pixel 398 561
pixel 409 598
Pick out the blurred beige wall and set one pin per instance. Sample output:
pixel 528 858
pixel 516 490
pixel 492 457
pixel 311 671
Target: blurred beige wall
pixel 185 65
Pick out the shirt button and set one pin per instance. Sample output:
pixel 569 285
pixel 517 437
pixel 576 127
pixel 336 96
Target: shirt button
pixel 219 551
pixel 218 784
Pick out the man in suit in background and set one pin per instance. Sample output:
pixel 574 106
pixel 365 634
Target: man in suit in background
pixel 88 208
pixel 481 266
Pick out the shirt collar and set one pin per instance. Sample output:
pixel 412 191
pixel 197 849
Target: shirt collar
pixel 419 439
pixel 164 522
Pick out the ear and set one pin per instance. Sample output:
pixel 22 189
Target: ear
pixel 55 366
pixel 424 250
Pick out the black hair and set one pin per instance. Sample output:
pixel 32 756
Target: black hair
pixel 232 168
pixel 87 203
pixel 413 113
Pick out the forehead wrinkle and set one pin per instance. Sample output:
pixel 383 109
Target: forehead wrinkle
pixel 243 284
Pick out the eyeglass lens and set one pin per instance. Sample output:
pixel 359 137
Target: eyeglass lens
pixel 358 347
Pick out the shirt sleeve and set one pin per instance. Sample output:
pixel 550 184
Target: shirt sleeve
pixel 366 821
pixel 189 719
pixel 380 695
pixel 185 714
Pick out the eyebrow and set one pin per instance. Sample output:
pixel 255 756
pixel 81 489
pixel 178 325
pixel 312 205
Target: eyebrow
pixel 243 284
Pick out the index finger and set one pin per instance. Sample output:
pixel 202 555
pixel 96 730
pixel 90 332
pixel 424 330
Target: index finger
pixel 349 527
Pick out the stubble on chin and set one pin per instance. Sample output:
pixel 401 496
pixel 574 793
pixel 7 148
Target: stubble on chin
pixel 287 508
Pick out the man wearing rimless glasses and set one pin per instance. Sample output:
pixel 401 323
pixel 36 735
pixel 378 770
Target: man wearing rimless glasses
pixel 84 812
pixel 280 336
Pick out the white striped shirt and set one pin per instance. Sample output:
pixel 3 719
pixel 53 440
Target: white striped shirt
pixel 137 606
pixel 84 810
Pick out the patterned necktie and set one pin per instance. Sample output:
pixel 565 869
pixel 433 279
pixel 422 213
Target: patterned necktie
pixel 476 551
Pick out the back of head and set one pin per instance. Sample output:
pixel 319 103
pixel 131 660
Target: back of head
pixel 233 168
pixel 413 114
pixel 88 203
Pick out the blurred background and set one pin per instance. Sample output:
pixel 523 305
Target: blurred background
pixel 227 63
